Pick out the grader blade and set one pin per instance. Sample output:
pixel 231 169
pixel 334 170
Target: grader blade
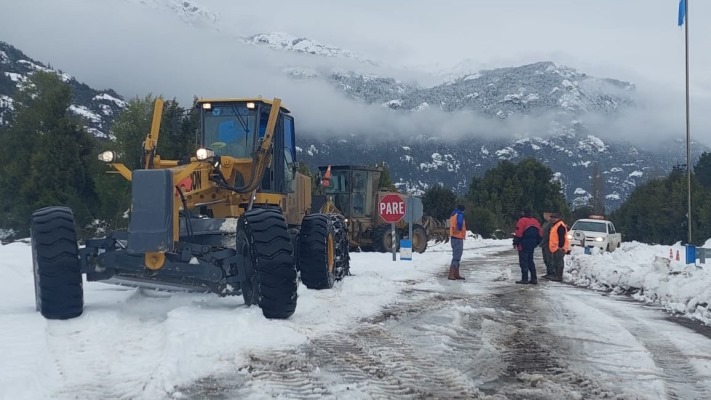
pixel 437 230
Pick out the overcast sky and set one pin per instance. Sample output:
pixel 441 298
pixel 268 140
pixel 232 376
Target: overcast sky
pixel 140 46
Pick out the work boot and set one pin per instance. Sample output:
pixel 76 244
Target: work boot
pixel 456 274
pixel 522 282
pixel 452 274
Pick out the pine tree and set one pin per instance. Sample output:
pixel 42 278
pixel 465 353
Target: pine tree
pixel 439 202
pixel 702 170
pixel 656 212
pixel 178 131
pixel 386 181
pixel 48 158
pixel 130 129
pixel 499 196
pixel 598 191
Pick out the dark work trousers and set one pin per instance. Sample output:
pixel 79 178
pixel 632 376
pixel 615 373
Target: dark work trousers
pixel 558 262
pixel 548 260
pixel 525 261
pixel 457 250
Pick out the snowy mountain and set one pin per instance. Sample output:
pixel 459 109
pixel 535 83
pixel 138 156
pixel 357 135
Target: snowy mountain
pixel 287 42
pixel 531 89
pixel 421 159
pixel 189 12
pixel 419 162
pixel 557 94
pixel 95 108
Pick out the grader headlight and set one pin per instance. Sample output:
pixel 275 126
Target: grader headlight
pixel 204 154
pixel 108 156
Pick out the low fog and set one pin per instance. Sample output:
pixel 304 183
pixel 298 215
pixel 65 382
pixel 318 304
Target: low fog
pixel 138 47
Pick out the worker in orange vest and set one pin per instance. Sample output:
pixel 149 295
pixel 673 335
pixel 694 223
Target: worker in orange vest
pixel 457 234
pixel 558 244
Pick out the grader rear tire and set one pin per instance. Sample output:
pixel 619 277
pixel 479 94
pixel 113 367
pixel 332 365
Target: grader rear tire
pixel 317 251
pixel 383 239
pixel 419 239
pixel 264 244
pixel 59 293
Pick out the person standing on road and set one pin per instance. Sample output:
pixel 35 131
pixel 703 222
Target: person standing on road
pixel 558 244
pixel 457 234
pixel 526 237
pixel 545 232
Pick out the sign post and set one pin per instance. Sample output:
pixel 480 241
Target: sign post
pixel 413 212
pixel 391 208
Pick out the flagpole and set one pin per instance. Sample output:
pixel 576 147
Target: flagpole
pixel 688 131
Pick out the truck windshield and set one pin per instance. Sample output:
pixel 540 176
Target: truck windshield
pixel 339 187
pixel 229 130
pixel 339 182
pixel 589 226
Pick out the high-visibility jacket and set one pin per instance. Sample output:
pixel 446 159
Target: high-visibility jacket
pixel 522 226
pixel 453 231
pixel 554 240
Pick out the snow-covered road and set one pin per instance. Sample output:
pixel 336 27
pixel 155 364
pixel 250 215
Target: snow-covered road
pixel 486 338
pixel 393 330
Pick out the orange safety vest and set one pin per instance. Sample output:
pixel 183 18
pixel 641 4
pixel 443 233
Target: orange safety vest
pixel 553 244
pixel 453 232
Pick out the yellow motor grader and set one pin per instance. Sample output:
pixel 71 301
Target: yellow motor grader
pixel 233 218
pixel 353 191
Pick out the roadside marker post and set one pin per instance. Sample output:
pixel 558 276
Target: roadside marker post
pixel 405 250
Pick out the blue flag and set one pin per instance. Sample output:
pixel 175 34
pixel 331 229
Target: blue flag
pixel 682 11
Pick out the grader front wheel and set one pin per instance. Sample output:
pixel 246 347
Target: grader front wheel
pixel 59 293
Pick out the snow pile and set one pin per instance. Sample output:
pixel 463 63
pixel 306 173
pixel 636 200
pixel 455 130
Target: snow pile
pixel 648 274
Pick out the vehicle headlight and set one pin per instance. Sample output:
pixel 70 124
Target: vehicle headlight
pixel 569 236
pixel 107 156
pixel 599 239
pixel 204 154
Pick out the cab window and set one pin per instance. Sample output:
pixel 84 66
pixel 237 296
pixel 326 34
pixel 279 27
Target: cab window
pixel 228 130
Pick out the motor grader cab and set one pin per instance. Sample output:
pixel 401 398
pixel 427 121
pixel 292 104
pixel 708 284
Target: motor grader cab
pixel 354 191
pixel 233 218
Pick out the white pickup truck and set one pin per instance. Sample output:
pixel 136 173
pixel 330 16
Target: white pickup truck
pixel 594 231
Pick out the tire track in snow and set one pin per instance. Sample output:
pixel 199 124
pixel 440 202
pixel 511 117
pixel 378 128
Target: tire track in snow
pixel 75 344
pixel 374 361
pixel 491 340
pixel 681 379
pixel 536 360
pixel 436 344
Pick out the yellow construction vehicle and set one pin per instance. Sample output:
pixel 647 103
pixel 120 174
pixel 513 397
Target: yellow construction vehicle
pixel 233 218
pixel 353 191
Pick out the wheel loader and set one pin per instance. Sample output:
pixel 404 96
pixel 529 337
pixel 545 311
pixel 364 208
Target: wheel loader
pixel 233 218
pixel 354 192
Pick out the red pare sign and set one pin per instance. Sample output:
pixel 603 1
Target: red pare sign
pixel 391 208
